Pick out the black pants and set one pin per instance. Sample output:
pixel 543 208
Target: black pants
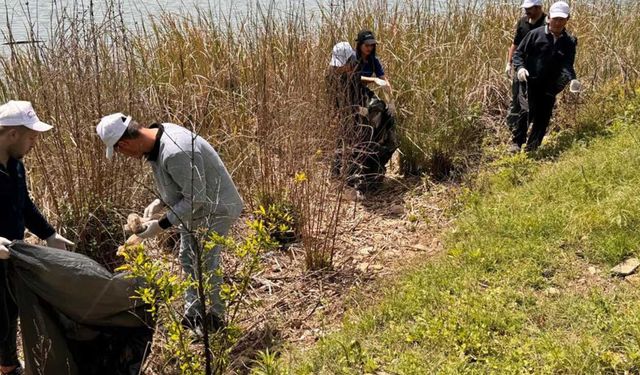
pixel 540 103
pixel 8 321
pixel 519 110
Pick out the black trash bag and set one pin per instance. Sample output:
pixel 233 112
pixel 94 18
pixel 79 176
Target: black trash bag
pixel 377 141
pixel 76 317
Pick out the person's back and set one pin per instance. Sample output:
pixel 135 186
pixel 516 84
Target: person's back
pixel 183 156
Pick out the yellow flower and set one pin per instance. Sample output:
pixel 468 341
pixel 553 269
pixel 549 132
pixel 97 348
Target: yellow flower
pixel 300 177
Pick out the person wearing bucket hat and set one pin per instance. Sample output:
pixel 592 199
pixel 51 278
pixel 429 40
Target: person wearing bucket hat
pixel 369 67
pixel 533 18
pixel 19 130
pixel 544 62
pixel 196 192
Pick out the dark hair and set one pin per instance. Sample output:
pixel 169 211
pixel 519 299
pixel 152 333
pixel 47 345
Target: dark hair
pixel 363 36
pixel 133 130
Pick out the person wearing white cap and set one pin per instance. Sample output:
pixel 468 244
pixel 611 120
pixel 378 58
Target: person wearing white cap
pixel 533 18
pixel 19 130
pixel 195 188
pixel 340 86
pixel 544 62
pixel 340 55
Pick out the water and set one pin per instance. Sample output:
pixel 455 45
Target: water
pixel 15 14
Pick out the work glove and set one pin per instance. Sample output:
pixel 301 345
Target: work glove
pixel 58 242
pixel 523 74
pixel 151 229
pixel 363 111
pixel 575 86
pixel 4 251
pixel 507 70
pixel 382 84
pixel 154 208
pixel 392 108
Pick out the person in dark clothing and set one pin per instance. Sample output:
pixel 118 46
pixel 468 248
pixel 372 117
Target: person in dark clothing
pixel 19 130
pixel 342 92
pixel 533 19
pixel 366 138
pixel 544 62
pixel 369 68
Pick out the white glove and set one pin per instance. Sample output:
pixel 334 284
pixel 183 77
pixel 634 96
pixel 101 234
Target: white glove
pixel 381 82
pixel 523 74
pixel 4 251
pixel 507 70
pixel 575 86
pixel 152 229
pixel 58 242
pixel 154 208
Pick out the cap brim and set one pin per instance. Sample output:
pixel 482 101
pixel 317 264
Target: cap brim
pixel 370 41
pixel 558 15
pixel 39 126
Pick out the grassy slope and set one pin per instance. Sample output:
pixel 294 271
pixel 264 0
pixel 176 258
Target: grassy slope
pixel 515 293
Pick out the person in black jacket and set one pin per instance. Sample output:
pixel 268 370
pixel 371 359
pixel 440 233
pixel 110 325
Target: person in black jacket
pixel 19 130
pixel 544 63
pixel 534 18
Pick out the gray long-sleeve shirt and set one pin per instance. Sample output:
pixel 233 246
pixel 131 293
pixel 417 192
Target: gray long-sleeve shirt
pixel 192 180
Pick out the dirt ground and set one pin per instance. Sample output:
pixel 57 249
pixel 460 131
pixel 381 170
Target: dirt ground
pixel 378 236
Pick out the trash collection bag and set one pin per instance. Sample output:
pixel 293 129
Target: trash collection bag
pixel 76 317
pixel 377 141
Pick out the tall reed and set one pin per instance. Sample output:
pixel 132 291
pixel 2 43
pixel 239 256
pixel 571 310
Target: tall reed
pixel 254 87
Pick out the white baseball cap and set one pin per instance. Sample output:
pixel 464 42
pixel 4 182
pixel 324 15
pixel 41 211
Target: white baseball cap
pixel 21 113
pixel 340 54
pixel 531 3
pixel 111 128
pixel 559 9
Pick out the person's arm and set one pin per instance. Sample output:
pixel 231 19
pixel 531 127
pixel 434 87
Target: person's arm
pixel 188 171
pixel 512 50
pixel 517 39
pixel 521 52
pixel 571 59
pixel 380 71
pixel 33 218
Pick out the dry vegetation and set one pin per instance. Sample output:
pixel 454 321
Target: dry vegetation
pixel 254 87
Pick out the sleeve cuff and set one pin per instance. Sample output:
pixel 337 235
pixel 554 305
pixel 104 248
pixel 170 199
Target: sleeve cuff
pixel 48 232
pixel 164 222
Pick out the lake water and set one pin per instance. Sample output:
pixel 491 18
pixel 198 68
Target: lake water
pixel 15 14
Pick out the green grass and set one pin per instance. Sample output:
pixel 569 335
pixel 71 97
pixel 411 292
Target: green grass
pixel 513 293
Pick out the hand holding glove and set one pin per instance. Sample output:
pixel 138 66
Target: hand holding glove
pixel 154 208
pixel 152 229
pixel 4 251
pixel 58 242
pixel 523 74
